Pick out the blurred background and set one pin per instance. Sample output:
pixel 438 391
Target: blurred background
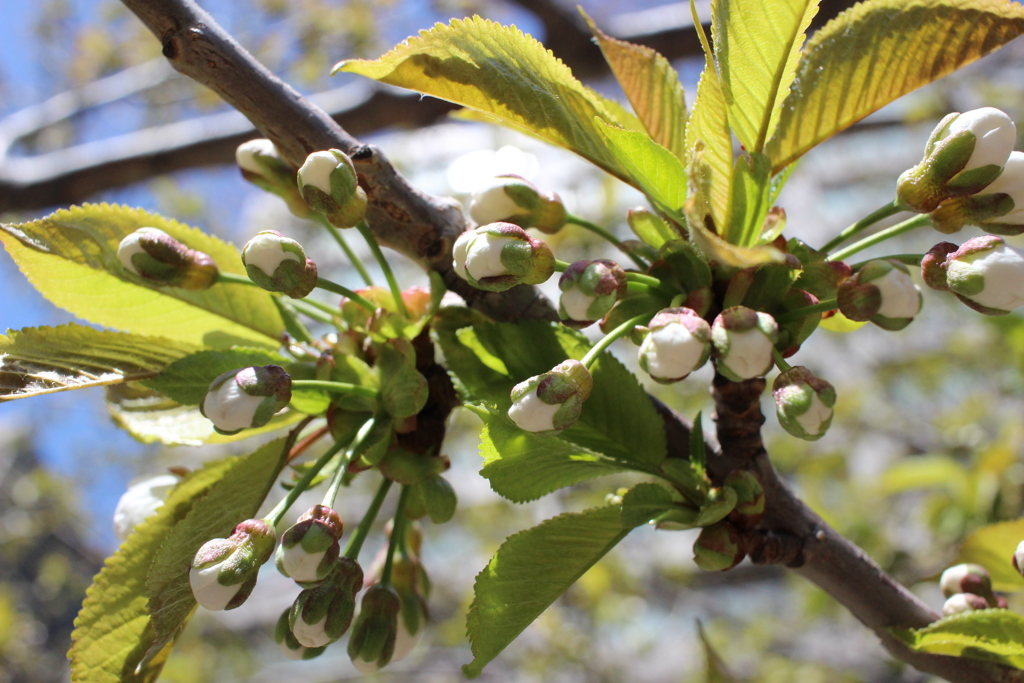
pixel 925 447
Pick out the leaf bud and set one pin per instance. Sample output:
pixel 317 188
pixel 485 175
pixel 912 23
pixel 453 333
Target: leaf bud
pixel 743 340
pixel 676 342
pixel 247 397
pixel 224 570
pixel 142 499
pixel 279 264
pixel 158 258
pixel 749 498
pixel 499 256
pixel 552 400
pixel 262 165
pixel 329 184
pixel 963 602
pixel 589 290
pixel 372 643
pixel 803 403
pixel 987 274
pixel 322 614
pixel 881 292
pixel 309 549
pixel 289 644
pixel 967 578
pixel 965 153
pixel 513 199
pixel 718 548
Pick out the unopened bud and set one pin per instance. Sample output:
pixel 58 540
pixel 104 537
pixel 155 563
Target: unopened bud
pixel 322 614
pixel 289 644
pixel 262 165
pixel 553 400
pixel 142 499
pixel 372 643
pixel 224 570
pixel 279 264
pixel 882 292
pixel 309 549
pixel 967 578
pixel 743 340
pixel 499 256
pixel 986 274
pixel 247 397
pixel 676 342
pixel 1018 558
pixel 329 184
pixel 157 257
pixel 803 403
pixel 717 548
pixel 963 602
pixel 589 290
pixel 513 199
pixel 749 498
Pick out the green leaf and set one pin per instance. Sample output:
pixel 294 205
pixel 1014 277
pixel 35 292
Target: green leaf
pixel 992 547
pixel 991 635
pixel 643 503
pixel 234 498
pixel 878 51
pixel 403 390
pixel 152 418
pixel 651 229
pixel 757 46
pixel 657 172
pixel 44 360
pixel 70 256
pixel 507 75
pixel 523 466
pixel 528 573
pixel 187 380
pixel 113 630
pixel 750 199
pixel 652 86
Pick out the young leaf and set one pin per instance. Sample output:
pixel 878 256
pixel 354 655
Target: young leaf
pixel 522 466
pixel 698 447
pixel 750 191
pixel 44 360
pixel 504 73
pixel 187 380
pixel 878 51
pixel 651 229
pixel 652 86
pixel 403 390
pixel 70 256
pixel 528 573
pixel 657 172
pixel 235 497
pixel 112 631
pixel 992 547
pixel 644 502
pixel 757 46
pixel 992 635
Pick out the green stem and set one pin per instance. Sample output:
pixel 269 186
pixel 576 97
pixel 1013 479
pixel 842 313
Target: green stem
pixel 326 308
pixel 881 236
pixel 336 234
pixel 780 361
pixel 397 534
pixel 292 322
pixel 355 544
pixel 623 329
pixel 889 209
pixel 909 259
pixel 233 279
pixel 324 283
pixel 396 292
pixel 798 313
pixel 337 479
pixel 335 387
pixel 274 518
pixel 638 278
pixel 309 308
pixel 598 230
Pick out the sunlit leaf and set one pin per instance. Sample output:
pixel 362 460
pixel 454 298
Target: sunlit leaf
pixel 709 149
pixel 992 547
pixel 880 50
pixel 992 635
pixel 750 194
pixel 44 360
pixel 70 256
pixel 657 172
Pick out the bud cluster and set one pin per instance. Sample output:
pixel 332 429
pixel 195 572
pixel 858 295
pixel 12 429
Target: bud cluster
pixel 968 587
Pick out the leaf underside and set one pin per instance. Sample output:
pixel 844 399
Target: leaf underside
pixel 992 635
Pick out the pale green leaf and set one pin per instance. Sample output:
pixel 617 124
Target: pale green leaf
pixel 651 229
pixel 234 498
pixel 992 547
pixel 643 503
pixel 751 190
pixel 44 360
pixel 656 171
pixel 878 51
pixel 652 87
pixel 992 635
pixel 506 74
pixel 70 256
pixel 528 573
pixel 113 631
pixel 757 46
pixel 523 466
pixel 187 380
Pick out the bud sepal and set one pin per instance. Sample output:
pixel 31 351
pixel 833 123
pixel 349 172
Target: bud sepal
pixel 513 199
pixel 329 184
pixel 309 549
pixel 323 613
pixel 245 398
pixel 372 643
pixel 881 292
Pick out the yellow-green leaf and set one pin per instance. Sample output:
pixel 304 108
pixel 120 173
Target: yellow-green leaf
pixel 70 256
pixel 44 360
pixel 507 75
pixel 991 635
pixel 757 46
pixel 992 547
pixel 658 173
pixel 652 87
pixel 880 50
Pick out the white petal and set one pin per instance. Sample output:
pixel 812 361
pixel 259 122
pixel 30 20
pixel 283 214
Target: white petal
pixel 996 135
pixel 1003 270
pixel 493 204
pixel 141 500
pixel 230 408
pixel 310 635
pixel 300 565
pixel 750 353
pixel 484 256
pixel 816 415
pixel 245 155
pixel 576 303
pixel 208 592
pixel 317 169
pixel 671 351
pixel 532 414
pixel 900 297
pixel 264 251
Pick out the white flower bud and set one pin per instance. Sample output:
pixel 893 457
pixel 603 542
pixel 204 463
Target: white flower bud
pixel 142 499
pixel 289 644
pixel 803 403
pixel 553 400
pixel 1010 182
pixel 246 398
pixel 589 290
pixel 512 199
pixel 329 184
pixel 743 340
pixel 372 642
pixel 994 133
pixel 279 264
pixel 248 154
pixel 967 578
pixel 499 256
pixel 677 341
pixel 985 273
pixel 882 292
pixel 309 549
pixel 963 602
pixel 224 570
pixel 156 257
pixel 317 170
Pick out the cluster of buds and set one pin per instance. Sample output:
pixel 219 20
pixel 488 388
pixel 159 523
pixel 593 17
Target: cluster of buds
pixel 224 570
pixel 499 256
pixel 513 199
pixel 881 292
pixel 279 264
pixel 676 342
pixel 743 341
pixel 803 403
pixel 246 398
pixel 552 400
pixel 998 209
pixel 984 272
pixel 968 587
pixel 589 290
pixel 158 258
pixel 330 186
pixel 261 164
